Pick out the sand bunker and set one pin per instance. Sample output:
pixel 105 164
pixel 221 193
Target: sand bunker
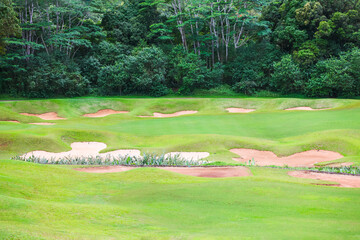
pixel 92 149
pixel 103 113
pixel 305 109
pixel 45 116
pixel 342 180
pixel 303 159
pixel 84 149
pixel 210 172
pixel 12 121
pixel 189 155
pixel 240 110
pixel 176 114
pixel 107 169
pixel 42 124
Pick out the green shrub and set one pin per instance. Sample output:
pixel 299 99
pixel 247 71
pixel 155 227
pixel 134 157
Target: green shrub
pixel 148 159
pixel 336 76
pixel 287 77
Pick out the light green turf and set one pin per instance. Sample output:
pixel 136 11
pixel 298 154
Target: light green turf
pixel 54 202
pixel 212 129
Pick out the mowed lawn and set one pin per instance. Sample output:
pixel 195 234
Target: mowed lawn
pixel 212 129
pixel 53 202
pixel 57 202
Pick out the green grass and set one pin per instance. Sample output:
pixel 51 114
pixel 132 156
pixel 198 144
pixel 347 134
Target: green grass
pixel 53 202
pixel 211 129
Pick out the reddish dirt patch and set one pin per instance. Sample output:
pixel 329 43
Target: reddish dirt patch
pixel 303 159
pixel 176 114
pixel 305 109
pixel 343 180
pixel 240 110
pixel 13 121
pixel 103 113
pixel 210 172
pixel 45 116
pixel 107 169
pixel 42 124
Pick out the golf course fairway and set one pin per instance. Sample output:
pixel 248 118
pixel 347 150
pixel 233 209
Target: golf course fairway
pixel 48 201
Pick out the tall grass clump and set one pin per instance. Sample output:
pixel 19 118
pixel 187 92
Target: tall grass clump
pixel 342 170
pixel 148 159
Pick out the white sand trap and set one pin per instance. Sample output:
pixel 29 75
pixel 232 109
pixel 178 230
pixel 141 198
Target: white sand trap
pixel 195 156
pixel 240 110
pixel 176 114
pixel 84 149
pixel 305 109
pixel 45 124
pixel 342 180
pixel 45 116
pixel 12 121
pixel 303 159
pixel 103 113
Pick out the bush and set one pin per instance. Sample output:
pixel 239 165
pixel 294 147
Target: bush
pixel 287 77
pixel 49 77
pixel 112 79
pixel 187 71
pixel 140 73
pixel 222 90
pixel 336 76
pixel 146 72
pixel 252 68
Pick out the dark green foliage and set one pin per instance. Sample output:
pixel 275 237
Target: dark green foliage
pixel 140 73
pixel 146 71
pixel 79 47
pixel 129 23
pixel 9 24
pixel 336 76
pixel 252 69
pixel 287 77
pixel 48 77
pixel 189 72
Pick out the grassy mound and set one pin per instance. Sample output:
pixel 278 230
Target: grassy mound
pixel 55 202
pixel 212 129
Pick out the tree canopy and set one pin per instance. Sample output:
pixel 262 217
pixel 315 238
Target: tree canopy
pixel 156 47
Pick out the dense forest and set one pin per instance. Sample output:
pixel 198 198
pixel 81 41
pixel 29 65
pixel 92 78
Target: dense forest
pixel 51 48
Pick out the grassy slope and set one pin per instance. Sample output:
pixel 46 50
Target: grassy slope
pixel 52 202
pixel 212 129
pixel 55 202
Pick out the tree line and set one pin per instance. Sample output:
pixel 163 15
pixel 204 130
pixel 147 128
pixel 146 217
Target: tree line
pixel 51 48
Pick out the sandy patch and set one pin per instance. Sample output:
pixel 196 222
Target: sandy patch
pixel 84 149
pixel 303 159
pixel 45 116
pixel 210 172
pixel 343 180
pixel 106 169
pixel 305 109
pixel 13 121
pixel 189 155
pixel 345 164
pixel 42 123
pixel 103 113
pixel 176 114
pixel 240 110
